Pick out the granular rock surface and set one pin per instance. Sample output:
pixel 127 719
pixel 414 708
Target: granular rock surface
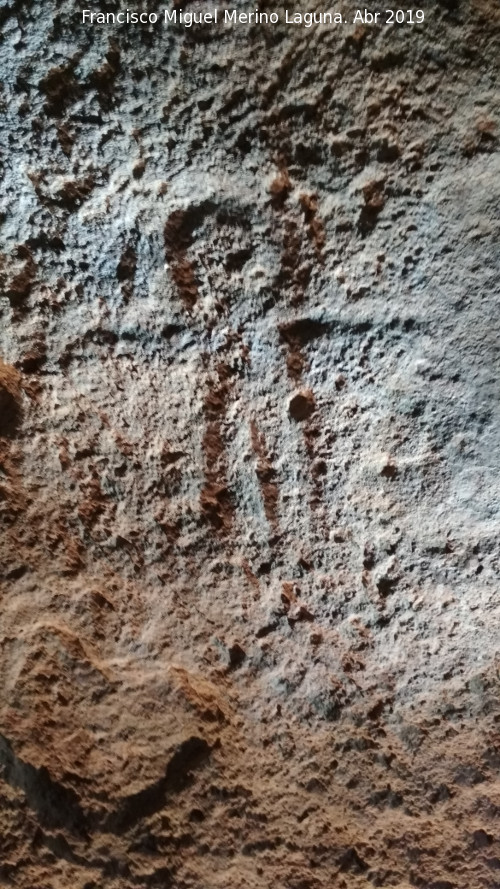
pixel 249 452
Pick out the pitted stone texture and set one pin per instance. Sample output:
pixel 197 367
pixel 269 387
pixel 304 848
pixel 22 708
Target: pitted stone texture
pixel 249 453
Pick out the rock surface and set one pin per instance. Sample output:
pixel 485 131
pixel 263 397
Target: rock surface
pixel 249 453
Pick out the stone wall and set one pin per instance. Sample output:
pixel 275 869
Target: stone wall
pixel 249 451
